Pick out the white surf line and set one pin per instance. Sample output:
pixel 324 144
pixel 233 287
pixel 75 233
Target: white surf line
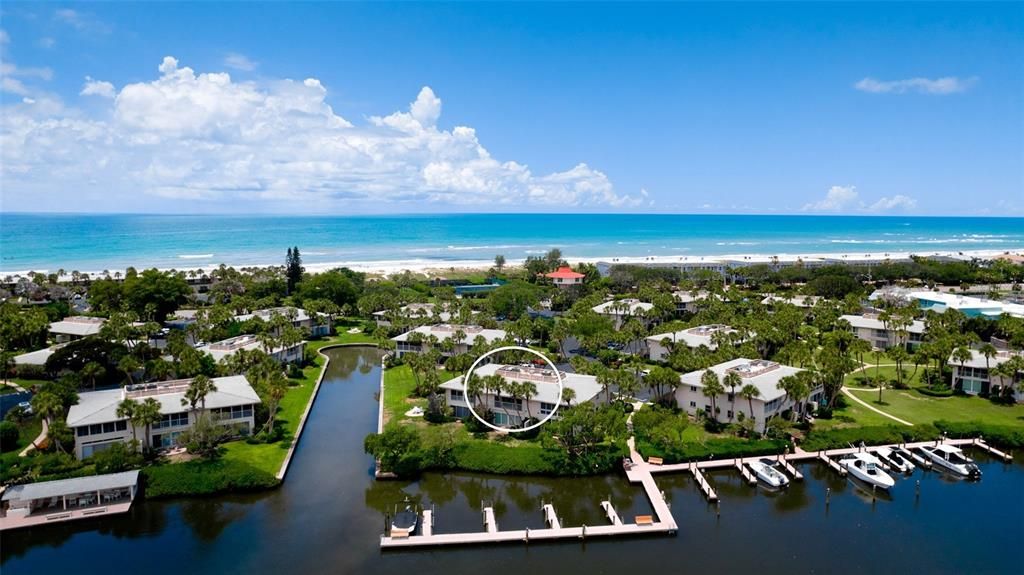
pixel 850 394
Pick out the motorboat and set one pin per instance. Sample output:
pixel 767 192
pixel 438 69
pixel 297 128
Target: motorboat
pixel 405 519
pixel 868 469
pixel 895 461
pixel 952 459
pixel 765 471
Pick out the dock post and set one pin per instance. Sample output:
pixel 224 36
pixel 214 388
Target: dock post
pixel 828 496
pixel 917 489
pixel 527 535
pixel 584 533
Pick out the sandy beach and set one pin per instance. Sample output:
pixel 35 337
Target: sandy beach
pixel 432 267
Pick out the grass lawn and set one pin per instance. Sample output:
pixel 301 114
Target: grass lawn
pixel 27 431
pixel 863 378
pixel 918 408
pixel 399 384
pixel 269 457
pixel 853 415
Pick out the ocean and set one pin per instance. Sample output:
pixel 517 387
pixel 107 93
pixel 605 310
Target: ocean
pixel 47 242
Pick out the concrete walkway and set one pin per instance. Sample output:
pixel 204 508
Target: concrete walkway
pixel 850 394
pixel 37 441
pixel 16 386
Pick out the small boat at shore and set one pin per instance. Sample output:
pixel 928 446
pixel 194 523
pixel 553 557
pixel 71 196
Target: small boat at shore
pixel 405 519
pixel 895 461
pixel 953 459
pixel 868 469
pixel 765 471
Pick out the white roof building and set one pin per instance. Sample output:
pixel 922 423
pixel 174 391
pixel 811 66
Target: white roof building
pixel 869 321
pixel 98 407
pixel 585 386
pixel 623 307
pixel 221 349
pixel 77 326
pixel 804 301
pixel 694 336
pixel 445 331
pixel 763 374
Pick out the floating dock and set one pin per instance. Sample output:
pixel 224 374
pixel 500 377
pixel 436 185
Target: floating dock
pixel 703 483
pixel 745 472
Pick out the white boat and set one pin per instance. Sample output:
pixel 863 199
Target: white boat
pixel 765 470
pixel 952 459
pixel 896 461
pixel 405 520
pixel 868 469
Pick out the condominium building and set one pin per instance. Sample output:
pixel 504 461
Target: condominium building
pixel 704 335
pixel 882 336
pixel 450 339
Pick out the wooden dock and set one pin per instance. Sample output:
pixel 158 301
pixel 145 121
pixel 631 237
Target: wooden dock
pixel 792 471
pixel 703 483
pixel 832 463
pixel 490 523
pixel 1006 457
pixel 609 510
pixel 745 472
pixel 550 517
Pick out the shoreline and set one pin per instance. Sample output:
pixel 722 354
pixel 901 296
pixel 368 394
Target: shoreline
pixel 430 266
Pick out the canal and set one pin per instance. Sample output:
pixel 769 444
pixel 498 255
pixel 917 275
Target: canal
pixel 328 515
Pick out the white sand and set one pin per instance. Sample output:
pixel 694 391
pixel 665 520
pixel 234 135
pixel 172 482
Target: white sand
pixel 433 267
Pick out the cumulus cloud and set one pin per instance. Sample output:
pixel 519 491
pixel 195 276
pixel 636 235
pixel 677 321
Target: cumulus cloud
pixel 841 199
pixel 239 62
pixel 938 86
pixel 836 199
pixel 97 88
pixel 207 136
pixel 897 202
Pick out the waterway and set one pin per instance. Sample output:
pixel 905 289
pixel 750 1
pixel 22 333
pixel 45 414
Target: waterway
pixel 328 515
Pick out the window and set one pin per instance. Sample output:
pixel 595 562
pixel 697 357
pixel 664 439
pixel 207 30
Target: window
pixel 82 431
pixel 95 429
pixel 173 420
pixel 693 388
pixel 122 425
pixel 729 414
pixel 457 394
pixel 501 402
pixel 233 412
pixel 109 427
pixel 546 408
pixel 693 404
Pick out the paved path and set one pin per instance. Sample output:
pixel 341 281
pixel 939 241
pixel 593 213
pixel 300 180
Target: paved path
pixel 850 394
pixel 15 386
pixel 37 441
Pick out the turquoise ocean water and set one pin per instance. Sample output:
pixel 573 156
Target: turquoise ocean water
pixel 96 242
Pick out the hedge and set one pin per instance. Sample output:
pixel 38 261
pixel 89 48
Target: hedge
pixel 944 392
pixel 204 478
pixel 490 457
pixel 1001 435
pixel 716 448
pixel 872 435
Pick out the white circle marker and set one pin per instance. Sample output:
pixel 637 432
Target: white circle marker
pixel 469 402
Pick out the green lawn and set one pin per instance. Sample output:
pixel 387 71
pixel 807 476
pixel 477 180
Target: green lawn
pixel 27 431
pixel 863 378
pixel 399 384
pixel 853 415
pixel 918 408
pixel 269 457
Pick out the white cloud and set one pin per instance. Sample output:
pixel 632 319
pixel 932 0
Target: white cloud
pixel 837 199
pixel 81 21
pixel 97 88
pixel 239 62
pixel 207 137
pixel 940 86
pixel 897 202
pixel 846 199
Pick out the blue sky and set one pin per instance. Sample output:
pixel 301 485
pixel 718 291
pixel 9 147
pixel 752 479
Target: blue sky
pixel 350 108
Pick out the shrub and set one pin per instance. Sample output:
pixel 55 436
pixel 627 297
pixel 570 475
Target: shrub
pixel 716 448
pixel 873 435
pixel 8 436
pixel 934 391
pixel 26 371
pixel 118 457
pixel 204 477
pixel 1001 435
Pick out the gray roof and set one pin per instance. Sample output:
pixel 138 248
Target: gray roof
pixel 633 307
pixel 47 489
pixel 978 360
pixel 37 357
pixel 268 314
pixel 78 325
pixel 871 322
pixel 221 349
pixel 585 386
pixel 445 331
pixel 694 336
pixel 101 406
pixel 766 380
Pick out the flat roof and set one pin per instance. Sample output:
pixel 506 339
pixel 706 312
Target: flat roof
pixel 444 331
pixel 797 300
pixel 78 325
pixel 765 375
pixel 872 322
pixel 248 342
pixel 978 361
pixel 37 357
pixel 92 483
pixel 101 406
pixel 694 336
pixel 268 313
pixel 585 386
pixel 609 307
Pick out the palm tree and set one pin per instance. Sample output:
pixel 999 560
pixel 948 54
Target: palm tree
pixel 988 351
pixel 91 371
pixel 568 394
pixel 499 262
pixel 732 380
pixel 48 405
pixel 147 414
pixel 962 355
pixel 160 369
pixel 749 392
pixel 198 389
pixel 126 410
pixel 712 388
pixel 606 378
pixel 61 434
pixel 528 389
pixel 129 365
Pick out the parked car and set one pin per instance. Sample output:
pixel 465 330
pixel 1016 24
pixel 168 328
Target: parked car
pixel 27 406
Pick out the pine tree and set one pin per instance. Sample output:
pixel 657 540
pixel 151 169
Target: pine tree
pixel 293 268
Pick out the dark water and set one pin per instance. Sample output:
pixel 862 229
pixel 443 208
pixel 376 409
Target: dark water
pixel 328 515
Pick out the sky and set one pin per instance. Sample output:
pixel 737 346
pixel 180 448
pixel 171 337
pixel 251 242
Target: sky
pixel 824 108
